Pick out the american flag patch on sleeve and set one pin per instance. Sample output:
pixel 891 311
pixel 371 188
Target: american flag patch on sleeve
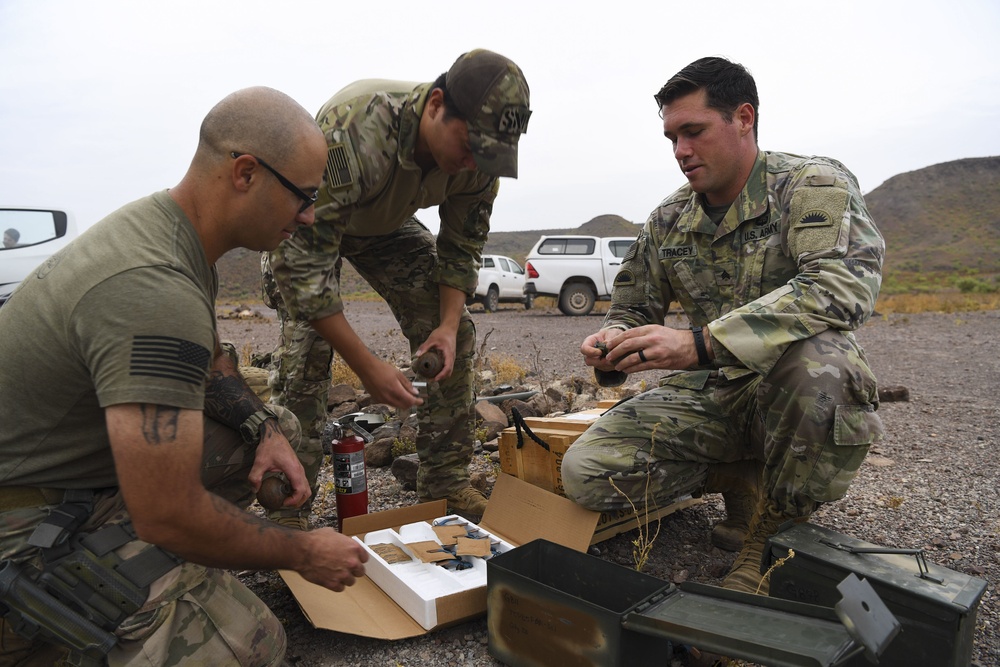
pixel 338 171
pixel 171 358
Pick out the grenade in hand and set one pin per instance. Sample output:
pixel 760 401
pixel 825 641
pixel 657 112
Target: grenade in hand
pixel 273 492
pixel 429 364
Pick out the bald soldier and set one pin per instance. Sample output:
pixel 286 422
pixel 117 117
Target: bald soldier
pixel 395 147
pixel 131 446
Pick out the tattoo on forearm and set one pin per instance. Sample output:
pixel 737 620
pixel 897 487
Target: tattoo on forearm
pixel 229 400
pixel 223 506
pixel 159 423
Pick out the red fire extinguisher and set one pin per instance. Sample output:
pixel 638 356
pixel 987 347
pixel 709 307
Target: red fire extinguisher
pixel 350 476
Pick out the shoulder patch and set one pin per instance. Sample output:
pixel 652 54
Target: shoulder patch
pixel 624 278
pixel 814 218
pixel 338 171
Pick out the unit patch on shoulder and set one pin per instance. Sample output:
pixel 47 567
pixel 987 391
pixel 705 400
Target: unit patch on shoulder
pixel 814 218
pixel 625 278
pixel 338 171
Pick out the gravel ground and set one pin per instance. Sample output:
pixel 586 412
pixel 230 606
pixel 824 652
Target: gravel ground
pixel 931 484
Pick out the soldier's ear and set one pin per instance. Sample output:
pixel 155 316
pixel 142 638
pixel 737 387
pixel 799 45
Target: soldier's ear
pixel 243 172
pixel 745 117
pixel 435 103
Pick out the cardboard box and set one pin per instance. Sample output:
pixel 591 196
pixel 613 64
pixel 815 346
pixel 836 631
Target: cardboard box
pixel 542 466
pixel 517 513
pixel 936 606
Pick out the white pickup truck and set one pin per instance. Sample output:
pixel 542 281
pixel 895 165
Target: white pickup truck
pixel 501 280
pixel 576 270
pixel 30 236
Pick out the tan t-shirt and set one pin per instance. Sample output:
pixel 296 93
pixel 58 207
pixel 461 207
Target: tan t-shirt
pixel 124 314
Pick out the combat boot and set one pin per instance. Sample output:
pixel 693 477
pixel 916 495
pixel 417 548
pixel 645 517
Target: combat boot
pixel 739 484
pixel 745 574
pixel 296 521
pixel 467 502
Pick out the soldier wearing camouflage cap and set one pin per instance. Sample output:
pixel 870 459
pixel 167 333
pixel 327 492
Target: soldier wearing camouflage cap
pixel 396 147
pixel 769 399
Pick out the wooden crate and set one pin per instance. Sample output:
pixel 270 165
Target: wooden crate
pixel 543 467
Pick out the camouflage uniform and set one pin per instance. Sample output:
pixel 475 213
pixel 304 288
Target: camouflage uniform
pixel 194 614
pixel 365 213
pixel 779 284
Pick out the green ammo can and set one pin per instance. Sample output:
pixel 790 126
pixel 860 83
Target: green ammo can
pixel 549 605
pixel 936 607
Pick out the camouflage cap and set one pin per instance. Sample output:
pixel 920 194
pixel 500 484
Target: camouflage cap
pixel 492 94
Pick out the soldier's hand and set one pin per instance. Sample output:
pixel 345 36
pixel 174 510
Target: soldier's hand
pixel 595 350
pixel 443 340
pixel 652 346
pixel 332 560
pixel 275 454
pixel 387 384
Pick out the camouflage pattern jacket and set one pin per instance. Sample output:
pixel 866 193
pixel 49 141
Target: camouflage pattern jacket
pixel 371 187
pixel 796 254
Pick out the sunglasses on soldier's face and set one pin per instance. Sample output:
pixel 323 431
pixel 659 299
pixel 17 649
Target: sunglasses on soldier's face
pixel 307 200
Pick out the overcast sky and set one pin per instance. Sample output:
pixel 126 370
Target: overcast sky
pixel 100 101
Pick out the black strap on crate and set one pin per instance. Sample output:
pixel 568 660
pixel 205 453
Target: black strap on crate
pixel 520 425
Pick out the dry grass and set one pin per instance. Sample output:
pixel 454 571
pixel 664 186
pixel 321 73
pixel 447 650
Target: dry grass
pixel 642 545
pixel 506 369
pixel 937 302
pixel 342 374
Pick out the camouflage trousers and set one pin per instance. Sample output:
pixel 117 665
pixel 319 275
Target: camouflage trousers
pixel 810 420
pixel 194 615
pixel 399 266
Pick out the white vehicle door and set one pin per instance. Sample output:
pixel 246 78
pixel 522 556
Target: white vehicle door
pixel 614 250
pixel 513 278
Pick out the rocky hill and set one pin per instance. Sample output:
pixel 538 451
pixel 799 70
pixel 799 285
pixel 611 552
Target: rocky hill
pixel 945 217
pixel 941 218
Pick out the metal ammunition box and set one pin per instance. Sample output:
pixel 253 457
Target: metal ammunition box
pixel 935 606
pixel 549 605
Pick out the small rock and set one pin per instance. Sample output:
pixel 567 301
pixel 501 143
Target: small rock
pixel 378 454
pixel 341 393
pixel 493 428
pixel 526 409
pixel 893 393
pixel 407 433
pixel 339 411
pixel 404 469
pixel 488 412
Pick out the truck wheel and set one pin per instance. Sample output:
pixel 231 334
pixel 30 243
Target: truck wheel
pixel 577 299
pixel 529 301
pixel 492 301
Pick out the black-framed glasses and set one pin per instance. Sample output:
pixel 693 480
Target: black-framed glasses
pixel 307 200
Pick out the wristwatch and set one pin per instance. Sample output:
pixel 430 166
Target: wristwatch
pixel 250 429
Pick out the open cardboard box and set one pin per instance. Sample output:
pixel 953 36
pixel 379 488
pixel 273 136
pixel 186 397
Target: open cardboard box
pixel 516 513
